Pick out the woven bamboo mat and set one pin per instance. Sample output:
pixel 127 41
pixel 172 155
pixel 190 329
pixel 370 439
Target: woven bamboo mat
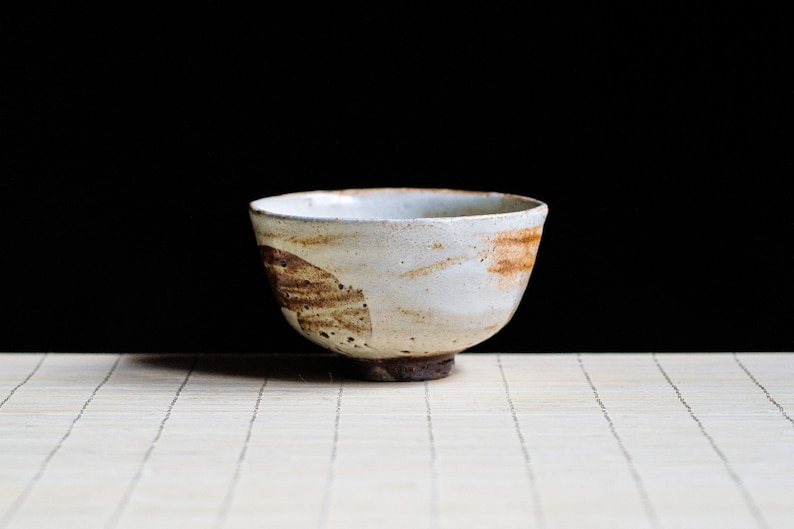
pixel 695 440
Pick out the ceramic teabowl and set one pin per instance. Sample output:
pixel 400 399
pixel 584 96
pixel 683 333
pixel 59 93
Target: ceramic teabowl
pixel 398 280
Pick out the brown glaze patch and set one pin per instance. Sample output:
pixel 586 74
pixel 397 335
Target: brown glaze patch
pixel 514 254
pixel 429 269
pixel 323 305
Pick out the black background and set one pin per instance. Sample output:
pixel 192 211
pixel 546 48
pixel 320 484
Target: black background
pixel 134 137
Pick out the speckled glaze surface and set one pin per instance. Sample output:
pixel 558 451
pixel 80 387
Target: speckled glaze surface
pixel 398 280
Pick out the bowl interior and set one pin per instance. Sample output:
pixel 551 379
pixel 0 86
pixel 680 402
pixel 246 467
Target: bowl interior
pixel 392 203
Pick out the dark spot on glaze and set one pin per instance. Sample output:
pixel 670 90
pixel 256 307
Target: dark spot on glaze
pixel 324 335
pixel 351 339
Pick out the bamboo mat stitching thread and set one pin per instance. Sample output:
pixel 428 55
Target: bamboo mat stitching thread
pixel 737 480
pixel 434 507
pixel 329 483
pixel 20 500
pixel 768 396
pixel 227 501
pixel 540 516
pixel 646 500
pixel 24 381
pixel 125 499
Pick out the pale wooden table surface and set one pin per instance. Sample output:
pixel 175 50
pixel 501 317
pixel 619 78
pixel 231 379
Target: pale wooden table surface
pixel 508 440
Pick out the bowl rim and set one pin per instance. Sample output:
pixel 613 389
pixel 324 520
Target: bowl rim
pixel 534 205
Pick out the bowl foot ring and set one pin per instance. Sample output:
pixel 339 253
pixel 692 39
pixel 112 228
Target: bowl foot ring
pixel 407 369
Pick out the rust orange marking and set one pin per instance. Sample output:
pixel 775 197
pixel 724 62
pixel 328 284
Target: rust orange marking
pixel 417 315
pixel 429 269
pixel 513 255
pixel 317 239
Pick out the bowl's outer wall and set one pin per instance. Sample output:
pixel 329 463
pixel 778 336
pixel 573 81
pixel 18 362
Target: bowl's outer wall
pixel 382 289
